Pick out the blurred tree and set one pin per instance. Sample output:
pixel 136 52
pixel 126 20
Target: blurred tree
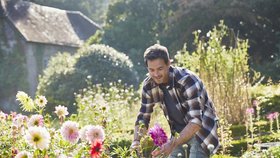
pixel 133 25
pixel 12 72
pixel 256 20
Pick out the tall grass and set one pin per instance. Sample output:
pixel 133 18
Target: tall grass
pixel 221 61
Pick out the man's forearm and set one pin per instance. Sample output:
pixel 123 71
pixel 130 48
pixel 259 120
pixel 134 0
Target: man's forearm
pixel 187 133
pixel 139 132
pixel 136 133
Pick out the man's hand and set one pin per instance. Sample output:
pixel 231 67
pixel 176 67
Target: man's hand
pixel 135 145
pixel 165 149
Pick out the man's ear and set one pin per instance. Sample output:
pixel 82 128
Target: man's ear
pixel 169 62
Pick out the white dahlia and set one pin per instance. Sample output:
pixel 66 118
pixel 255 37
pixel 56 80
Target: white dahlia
pixel 38 137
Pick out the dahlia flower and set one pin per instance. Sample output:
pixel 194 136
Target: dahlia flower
pixel 158 135
pixel 38 137
pixel 19 120
pixel 83 131
pixel 61 111
pixel 96 149
pixel 41 101
pixel 23 154
pixel 70 131
pixel 36 120
pixel 95 132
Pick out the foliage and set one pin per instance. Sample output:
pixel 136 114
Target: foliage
pixel 256 153
pixel 223 66
pixel 111 108
pixel 222 156
pixel 268 96
pixel 225 135
pixel 12 73
pixel 120 148
pixel 272 152
pixel 97 105
pixel 55 83
pixel 12 68
pixel 132 26
pixel 66 74
pixel 15 137
pixel 95 39
pixel 255 20
pixel 238 130
pixel 239 147
pixel 92 60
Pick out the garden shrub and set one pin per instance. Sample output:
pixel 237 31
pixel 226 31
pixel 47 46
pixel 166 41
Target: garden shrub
pixel 269 97
pixel 270 104
pixel 108 106
pixel 262 127
pixel 238 131
pixel 238 147
pixel 272 152
pixel 118 147
pixel 67 74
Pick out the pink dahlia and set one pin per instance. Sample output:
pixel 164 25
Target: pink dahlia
pixel 95 132
pixel 36 120
pixel 275 115
pixel 158 135
pixel 250 110
pixel 270 116
pixel 70 131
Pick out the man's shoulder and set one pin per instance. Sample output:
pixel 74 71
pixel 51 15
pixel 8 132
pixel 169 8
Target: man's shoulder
pixel 148 83
pixel 182 74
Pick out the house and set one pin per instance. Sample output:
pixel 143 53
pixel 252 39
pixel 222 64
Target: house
pixel 40 32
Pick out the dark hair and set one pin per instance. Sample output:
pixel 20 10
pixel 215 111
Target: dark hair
pixel 156 51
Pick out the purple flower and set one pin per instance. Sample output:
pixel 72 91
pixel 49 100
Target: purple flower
pixel 158 135
pixel 270 116
pixel 250 110
pixel 275 115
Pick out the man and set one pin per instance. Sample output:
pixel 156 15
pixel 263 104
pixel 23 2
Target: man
pixel 185 103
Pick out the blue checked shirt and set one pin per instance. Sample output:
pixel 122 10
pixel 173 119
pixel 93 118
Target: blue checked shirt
pixel 191 99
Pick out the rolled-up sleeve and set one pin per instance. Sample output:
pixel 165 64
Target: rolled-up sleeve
pixel 147 105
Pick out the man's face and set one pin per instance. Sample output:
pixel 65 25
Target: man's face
pixel 158 70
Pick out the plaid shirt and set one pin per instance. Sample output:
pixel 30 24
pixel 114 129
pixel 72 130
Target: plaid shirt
pixel 191 99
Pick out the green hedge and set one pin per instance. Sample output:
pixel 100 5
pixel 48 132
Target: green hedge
pixel 67 74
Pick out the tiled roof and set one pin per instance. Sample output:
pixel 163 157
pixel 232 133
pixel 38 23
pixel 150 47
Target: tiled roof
pixel 49 25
